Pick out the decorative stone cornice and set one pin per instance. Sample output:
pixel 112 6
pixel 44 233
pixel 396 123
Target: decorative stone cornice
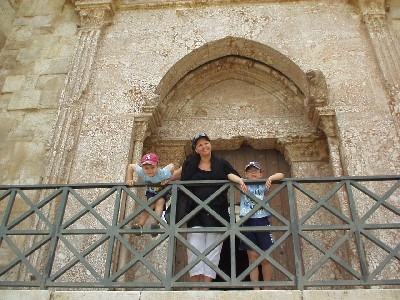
pixel 318 92
pixel 325 119
pixel 372 7
pixel 141 129
pixel 95 14
pixel 146 122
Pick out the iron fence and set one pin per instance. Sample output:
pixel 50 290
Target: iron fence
pixel 337 232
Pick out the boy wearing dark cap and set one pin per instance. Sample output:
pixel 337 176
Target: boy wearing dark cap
pixel 149 172
pixel 263 239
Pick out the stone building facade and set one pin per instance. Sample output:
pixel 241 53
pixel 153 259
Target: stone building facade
pixel 87 86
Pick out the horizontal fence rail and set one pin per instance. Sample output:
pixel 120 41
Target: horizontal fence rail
pixel 336 232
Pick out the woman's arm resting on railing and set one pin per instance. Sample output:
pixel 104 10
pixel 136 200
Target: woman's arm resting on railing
pixel 176 175
pixel 236 179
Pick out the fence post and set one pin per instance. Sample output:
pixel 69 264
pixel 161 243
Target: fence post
pixel 294 229
pixel 54 237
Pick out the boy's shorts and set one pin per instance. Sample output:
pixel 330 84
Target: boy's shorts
pixel 262 239
pixel 151 193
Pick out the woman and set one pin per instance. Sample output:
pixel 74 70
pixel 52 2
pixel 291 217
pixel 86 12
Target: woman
pixel 202 165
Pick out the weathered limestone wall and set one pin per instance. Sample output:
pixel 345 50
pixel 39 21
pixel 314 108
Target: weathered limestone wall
pixel 35 61
pixel 107 102
pixel 35 58
pixel 7 16
pixel 123 82
pixel 341 50
pixel 39 49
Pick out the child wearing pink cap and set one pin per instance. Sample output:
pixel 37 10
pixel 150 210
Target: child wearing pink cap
pixel 150 172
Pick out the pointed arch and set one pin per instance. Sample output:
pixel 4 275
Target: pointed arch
pixel 200 92
pixel 233 46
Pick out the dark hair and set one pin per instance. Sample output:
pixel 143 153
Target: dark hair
pixel 197 137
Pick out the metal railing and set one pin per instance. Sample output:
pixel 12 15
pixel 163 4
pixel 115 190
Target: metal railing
pixel 337 232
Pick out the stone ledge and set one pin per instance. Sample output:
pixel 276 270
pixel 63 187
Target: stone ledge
pixel 370 294
pixel 25 295
pixel 365 294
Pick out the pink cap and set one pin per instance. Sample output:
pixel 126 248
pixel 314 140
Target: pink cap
pixel 149 159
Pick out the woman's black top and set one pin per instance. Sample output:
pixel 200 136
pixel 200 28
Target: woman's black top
pixel 220 168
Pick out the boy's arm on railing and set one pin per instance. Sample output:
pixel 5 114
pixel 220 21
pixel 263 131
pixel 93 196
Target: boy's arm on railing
pixel 276 176
pixel 129 174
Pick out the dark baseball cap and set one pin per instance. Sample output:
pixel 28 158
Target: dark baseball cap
pixel 254 164
pixel 197 137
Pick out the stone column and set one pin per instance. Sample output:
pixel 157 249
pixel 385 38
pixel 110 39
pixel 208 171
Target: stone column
pixel 326 120
pixel 95 15
pixel 144 124
pixel 387 52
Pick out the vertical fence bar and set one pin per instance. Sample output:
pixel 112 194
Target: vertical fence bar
pixel 55 231
pixel 294 228
pixel 112 233
pixel 232 235
pixel 357 232
pixel 7 212
pixel 171 227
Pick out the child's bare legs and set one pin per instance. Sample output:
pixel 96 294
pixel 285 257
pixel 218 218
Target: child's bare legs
pixel 144 215
pixel 253 255
pixel 266 268
pixel 158 208
pixel 267 271
pixel 201 278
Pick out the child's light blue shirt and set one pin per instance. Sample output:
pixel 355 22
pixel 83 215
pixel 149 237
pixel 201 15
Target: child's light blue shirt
pixel 247 204
pixel 161 175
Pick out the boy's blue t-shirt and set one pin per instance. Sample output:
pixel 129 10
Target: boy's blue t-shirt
pixel 247 204
pixel 161 175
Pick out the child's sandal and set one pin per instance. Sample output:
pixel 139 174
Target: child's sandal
pixel 155 226
pixel 137 226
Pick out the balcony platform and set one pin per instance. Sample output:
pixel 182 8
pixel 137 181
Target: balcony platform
pixel 365 294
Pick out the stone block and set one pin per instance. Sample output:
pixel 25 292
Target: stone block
pixel 16 45
pixel 34 21
pixel 29 82
pixel 46 40
pixel 24 100
pixel 222 295
pixel 66 29
pixel 24 295
pixel 52 66
pixel 29 54
pixel 51 82
pixel 49 99
pixel 41 7
pixel 5 128
pixel 4 100
pixel 365 294
pixel 13 83
pixel 96 295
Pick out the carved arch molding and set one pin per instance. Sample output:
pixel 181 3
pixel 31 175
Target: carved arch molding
pixel 241 93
